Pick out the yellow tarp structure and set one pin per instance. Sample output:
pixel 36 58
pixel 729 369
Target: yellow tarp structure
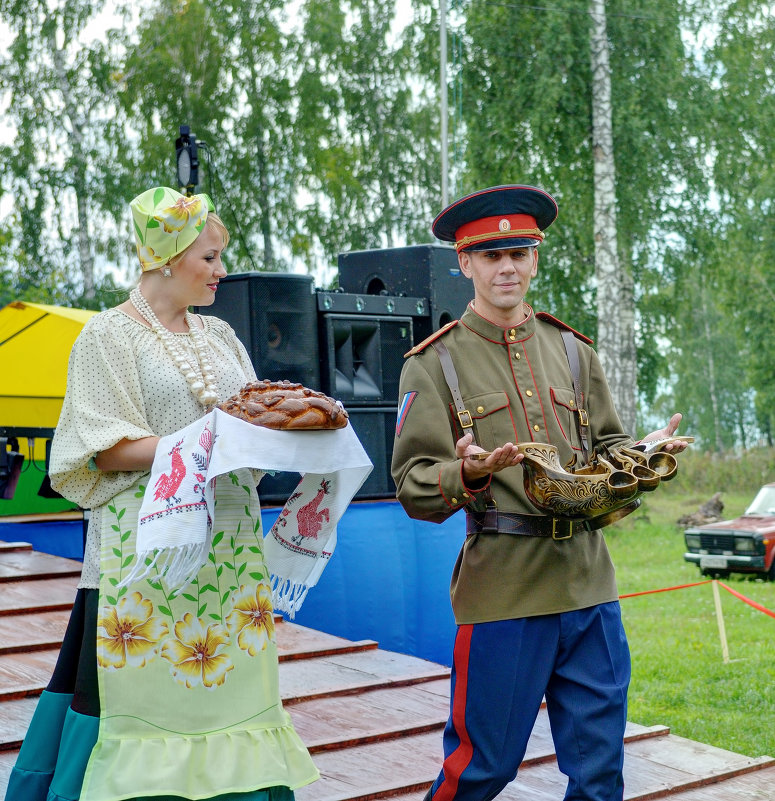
pixel 35 344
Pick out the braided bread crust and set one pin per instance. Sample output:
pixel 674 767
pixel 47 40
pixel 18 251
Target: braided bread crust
pixel 285 405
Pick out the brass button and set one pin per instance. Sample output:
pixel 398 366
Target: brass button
pixel 571 404
pixel 512 334
pixel 517 356
pixel 454 500
pixel 480 409
pixel 465 494
pixel 536 427
pixel 529 393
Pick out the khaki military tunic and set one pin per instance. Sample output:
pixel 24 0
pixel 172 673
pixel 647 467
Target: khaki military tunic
pixel 516 383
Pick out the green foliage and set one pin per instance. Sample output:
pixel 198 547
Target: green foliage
pixel 703 473
pixel 368 128
pixel 527 89
pixel 322 125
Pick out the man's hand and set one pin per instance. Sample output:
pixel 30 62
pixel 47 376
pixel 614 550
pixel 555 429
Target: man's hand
pixel 506 456
pixel 667 432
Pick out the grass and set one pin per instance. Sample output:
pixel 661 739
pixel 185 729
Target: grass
pixel 679 678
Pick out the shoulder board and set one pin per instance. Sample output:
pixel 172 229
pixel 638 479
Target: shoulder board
pixel 547 318
pixel 420 347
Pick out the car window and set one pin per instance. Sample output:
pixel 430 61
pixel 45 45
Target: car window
pixel 763 503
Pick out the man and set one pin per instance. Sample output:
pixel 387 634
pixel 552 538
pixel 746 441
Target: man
pixel 534 597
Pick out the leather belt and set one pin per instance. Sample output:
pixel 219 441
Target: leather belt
pixel 494 522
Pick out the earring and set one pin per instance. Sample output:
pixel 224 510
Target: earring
pixel 166 272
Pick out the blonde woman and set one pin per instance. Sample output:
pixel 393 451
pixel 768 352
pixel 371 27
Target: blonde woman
pixel 160 693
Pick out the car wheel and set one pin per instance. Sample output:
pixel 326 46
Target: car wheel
pixel 771 571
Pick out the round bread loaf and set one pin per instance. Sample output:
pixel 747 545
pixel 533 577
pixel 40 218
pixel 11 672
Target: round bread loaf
pixel 286 406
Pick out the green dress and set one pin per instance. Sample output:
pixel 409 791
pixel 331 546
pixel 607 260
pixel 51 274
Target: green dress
pixel 189 695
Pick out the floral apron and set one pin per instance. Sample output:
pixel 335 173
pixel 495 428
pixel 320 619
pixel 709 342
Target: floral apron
pixel 188 680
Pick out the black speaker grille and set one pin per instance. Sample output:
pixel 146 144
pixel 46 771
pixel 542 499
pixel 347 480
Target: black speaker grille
pixel 363 357
pixel 421 271
pixel 275 316
pixel 375 428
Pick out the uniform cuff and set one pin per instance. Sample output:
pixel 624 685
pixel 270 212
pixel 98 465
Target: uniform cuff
pixel 451 486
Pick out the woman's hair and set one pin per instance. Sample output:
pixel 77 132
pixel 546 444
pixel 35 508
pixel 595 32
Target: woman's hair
pixel 212 220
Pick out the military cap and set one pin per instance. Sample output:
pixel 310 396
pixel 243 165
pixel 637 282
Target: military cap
pixel 500 217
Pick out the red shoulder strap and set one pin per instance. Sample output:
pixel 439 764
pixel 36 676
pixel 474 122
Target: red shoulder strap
pixel 547 318
pixel 420 347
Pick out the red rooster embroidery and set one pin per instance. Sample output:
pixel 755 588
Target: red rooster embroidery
pixel 168 484
pixel 310 518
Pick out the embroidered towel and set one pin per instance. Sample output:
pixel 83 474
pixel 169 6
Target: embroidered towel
pixel 175 521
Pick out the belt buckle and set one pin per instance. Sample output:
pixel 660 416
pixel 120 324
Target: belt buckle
pixel 555 521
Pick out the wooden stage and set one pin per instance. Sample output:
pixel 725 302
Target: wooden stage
pixel 371 718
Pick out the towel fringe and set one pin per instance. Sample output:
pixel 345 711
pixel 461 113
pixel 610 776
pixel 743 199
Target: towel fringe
pixel 177 566
pixel 288 595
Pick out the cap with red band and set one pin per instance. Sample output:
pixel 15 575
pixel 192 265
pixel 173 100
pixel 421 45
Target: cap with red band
pixel 497 218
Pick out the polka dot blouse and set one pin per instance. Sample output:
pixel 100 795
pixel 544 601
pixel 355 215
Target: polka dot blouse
pixel 122 384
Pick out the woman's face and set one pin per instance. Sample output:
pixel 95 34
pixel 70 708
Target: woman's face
pixel 197 274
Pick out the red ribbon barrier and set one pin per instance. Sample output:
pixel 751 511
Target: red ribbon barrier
pixel 748 600
pixel 665 589
pixel 699 583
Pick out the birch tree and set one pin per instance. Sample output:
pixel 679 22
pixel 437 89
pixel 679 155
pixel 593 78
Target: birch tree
pixel 615 302
pixel 59 93
pixel 533 112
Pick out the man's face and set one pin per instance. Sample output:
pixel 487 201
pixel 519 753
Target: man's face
pixel 501 280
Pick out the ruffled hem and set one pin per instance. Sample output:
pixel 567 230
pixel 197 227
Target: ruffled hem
pixel 198 767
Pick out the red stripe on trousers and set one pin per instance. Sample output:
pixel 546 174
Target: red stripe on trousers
pixel 459 759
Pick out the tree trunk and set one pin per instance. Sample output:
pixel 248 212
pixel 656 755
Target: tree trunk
pixel 78 179
pixel 265 223
pixel 615 301
pixel 711 374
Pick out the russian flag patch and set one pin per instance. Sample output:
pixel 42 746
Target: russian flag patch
pixel 403 411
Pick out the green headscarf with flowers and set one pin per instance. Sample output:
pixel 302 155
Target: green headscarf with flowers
pixel 166 223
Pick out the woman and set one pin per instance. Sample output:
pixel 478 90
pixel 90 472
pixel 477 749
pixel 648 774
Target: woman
pixel 181 699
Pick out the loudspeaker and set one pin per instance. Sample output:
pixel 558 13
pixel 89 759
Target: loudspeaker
pixel 275 317
pixel 362 356
pixel 420 271
pixel 375 428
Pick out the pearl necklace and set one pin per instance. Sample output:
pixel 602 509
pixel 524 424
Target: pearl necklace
pixel 204 387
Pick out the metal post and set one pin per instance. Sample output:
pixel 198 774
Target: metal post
pixel 444 103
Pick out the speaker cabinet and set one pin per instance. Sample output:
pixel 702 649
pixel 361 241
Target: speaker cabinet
pixel 421 271
pixel 375 428
pixel 275 317
pixel 363 356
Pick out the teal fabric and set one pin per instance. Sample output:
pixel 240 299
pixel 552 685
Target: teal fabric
pixel 78 738
pixel 34 769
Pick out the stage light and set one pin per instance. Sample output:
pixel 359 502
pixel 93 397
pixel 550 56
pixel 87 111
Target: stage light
pixel 11 462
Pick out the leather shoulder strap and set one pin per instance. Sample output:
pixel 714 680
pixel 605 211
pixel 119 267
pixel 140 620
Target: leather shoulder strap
pixel 463 415
pixel 569 340
pixel 450 376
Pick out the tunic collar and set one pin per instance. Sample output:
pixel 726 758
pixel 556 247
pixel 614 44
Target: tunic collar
pixel 496 333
